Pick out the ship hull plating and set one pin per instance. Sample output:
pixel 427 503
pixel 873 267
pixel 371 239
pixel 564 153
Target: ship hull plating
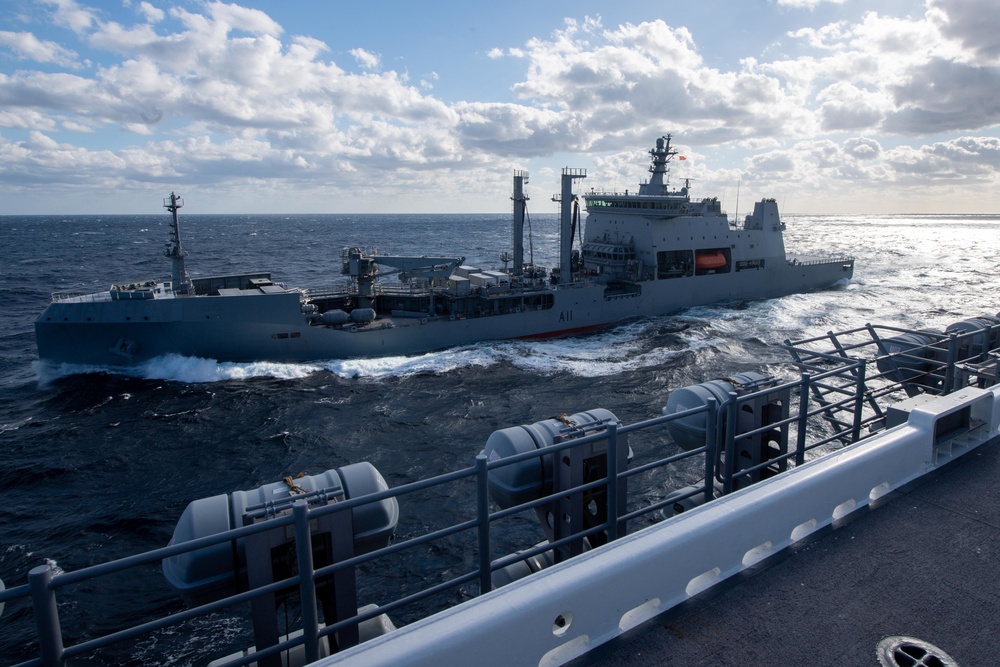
pixel 252 327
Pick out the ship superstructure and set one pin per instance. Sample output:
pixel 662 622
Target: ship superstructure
pixel 644 253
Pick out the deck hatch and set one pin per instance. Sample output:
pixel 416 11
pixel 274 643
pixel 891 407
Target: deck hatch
pixel 902 651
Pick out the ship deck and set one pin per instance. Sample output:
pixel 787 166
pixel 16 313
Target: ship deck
pixel 923 564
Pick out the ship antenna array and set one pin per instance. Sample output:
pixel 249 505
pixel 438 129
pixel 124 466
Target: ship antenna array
pixel 660 156
pixel 736 217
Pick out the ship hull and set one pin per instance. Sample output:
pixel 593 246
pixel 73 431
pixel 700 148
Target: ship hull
pixel 254 327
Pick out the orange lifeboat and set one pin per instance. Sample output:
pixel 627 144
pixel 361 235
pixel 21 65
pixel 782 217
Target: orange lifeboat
pixel 707 260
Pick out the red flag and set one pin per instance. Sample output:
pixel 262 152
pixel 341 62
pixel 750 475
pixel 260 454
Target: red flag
pixel 681 157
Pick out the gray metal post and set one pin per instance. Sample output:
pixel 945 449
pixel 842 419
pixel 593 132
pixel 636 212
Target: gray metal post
pixel 568 511
pixel 612 499
pixel 949 372
pixel 859 398
pixel 729 464
pixel 800 444
pixel 307 589
pixel 711 446
pixel 43 600
pixel 483 517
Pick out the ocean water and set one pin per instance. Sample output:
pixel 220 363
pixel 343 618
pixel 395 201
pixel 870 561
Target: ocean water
pixel 98 464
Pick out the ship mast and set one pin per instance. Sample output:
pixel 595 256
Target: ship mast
pixel 661 156
pixel 181 284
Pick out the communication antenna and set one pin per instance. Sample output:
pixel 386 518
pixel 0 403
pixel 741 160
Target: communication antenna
pixel 736 219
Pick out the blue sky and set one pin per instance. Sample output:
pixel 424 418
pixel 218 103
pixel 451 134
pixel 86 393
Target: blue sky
pixel 843 106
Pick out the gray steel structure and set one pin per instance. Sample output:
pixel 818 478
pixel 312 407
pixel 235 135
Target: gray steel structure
pixel 650 252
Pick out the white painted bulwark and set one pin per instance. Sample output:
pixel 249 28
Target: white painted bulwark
pixel 562 612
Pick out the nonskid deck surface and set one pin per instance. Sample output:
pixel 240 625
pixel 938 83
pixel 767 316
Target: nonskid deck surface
pixel 922 565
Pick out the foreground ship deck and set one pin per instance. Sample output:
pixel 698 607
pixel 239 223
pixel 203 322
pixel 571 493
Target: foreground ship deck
pixel 921 569
pixel 644 253
pixel 852 503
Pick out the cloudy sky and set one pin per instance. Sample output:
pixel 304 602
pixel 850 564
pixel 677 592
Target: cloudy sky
pixel 328 106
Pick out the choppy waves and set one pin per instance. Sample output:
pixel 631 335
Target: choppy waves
pixel 620 349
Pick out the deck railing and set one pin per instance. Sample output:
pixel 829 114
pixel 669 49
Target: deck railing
pixel 844 386
pixel 81 296
pixel 845 259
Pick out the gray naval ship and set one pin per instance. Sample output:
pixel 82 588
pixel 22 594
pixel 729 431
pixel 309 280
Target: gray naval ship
pixel 644 253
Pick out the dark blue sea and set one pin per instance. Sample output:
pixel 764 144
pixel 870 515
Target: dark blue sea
pixel 100 464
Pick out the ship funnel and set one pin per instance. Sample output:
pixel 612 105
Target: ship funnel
pixel 520 207
pixel 566 223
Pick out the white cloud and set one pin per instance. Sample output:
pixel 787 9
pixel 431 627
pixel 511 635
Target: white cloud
pixel 26 46
pixel 940 96
pixel 427 82
pixel 632 80
pixel 220 95
pixel 514 129
pixel 25 119
pixel 207 73
pixel 74 126
pixel 229 17
pixel 974 23
pixel 807 4
pixel 366 59
pixel 908 77
pixel 844 106
pixel 69 14
pixel 860 169
pixel 151 13
pixel 862 148
pixel 830 36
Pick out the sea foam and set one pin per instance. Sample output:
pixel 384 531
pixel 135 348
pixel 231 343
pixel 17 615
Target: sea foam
pixel 619 349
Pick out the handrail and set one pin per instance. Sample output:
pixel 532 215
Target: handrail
pixel 841 381
pixel 844 259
